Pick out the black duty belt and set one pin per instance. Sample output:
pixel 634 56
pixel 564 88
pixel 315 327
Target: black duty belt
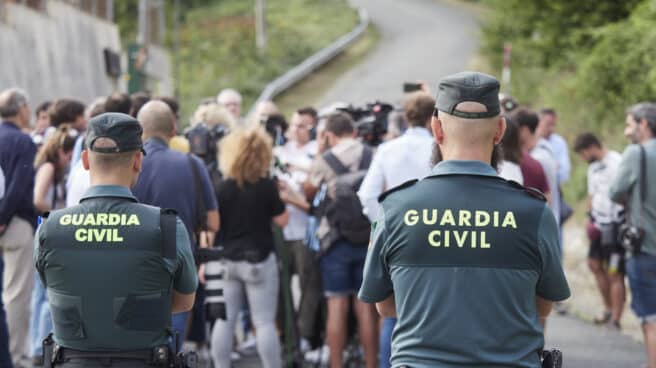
pixel 157 357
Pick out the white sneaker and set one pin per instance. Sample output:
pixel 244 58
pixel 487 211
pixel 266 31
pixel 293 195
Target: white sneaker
pixel 235 356
pixel 320 355
pixel 249 346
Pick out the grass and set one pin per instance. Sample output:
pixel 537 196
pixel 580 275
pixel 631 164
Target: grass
pixel 309 91
pixel 218 44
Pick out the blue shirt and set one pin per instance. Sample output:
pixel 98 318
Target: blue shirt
pixel 17 152
pixel 167 181
pixel 561 155
pixel 465 253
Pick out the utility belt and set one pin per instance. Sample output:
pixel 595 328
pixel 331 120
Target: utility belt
pixel 161 356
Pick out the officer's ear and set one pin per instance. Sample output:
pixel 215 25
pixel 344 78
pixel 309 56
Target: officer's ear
pixel 85 160
pixel 138 160
pixel 501 129
pixel 438 131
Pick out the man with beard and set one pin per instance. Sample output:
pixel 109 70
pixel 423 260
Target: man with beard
pixel 468 262
pixel 606 255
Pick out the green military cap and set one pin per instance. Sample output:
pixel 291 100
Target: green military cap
pixel 468 87
pixel 124 130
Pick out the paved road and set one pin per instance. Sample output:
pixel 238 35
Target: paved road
pixel 585 345
pixel 425 40
pixel 420 40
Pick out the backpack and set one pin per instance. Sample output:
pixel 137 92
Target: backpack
pixel 344 210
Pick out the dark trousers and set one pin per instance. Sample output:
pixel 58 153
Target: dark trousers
pixel 302 261
pixel 5 357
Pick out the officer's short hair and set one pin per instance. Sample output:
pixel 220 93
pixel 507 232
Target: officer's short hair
pixel 525 118
pixel 644 110
pixel 65 111
pixel 340 124
pixel 584 141
pixel 108 161
pixel 11 101
pixel 418 107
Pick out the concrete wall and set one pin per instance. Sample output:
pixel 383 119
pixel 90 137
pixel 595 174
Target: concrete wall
pixel 56 53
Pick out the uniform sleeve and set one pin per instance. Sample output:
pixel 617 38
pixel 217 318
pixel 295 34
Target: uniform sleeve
pixel 552 284
pixel 372 186
pixel 627 174
pixel 376 281
pixel 206 186
pixel 185 279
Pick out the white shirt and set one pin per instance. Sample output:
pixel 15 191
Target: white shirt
pixel 543 154
pixel 560 151
pixel 395 162
pixel 299 160
pixel 601 175
pixel 511 171
pixel 77 184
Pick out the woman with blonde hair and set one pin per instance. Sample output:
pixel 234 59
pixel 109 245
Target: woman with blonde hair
pixel 213 114
pixel 250 203
pixel 51 163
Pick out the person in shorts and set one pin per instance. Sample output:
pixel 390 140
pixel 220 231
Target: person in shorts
pixel 606 255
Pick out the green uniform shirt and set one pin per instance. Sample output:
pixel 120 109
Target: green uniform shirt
pixel 108 276
pixel 465 254
pixel 626 190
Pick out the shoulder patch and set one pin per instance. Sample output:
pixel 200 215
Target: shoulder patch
pixel 407 184
pixel 530 191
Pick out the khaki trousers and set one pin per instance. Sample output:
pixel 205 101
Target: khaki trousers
pixel 17 246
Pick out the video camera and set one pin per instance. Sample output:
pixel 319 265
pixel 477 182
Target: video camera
pixel 215 306
pixel 276 126
pixel 371 121
pixel 203 140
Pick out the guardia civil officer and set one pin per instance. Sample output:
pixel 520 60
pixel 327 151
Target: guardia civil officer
pixel 114 269
pixel 468 262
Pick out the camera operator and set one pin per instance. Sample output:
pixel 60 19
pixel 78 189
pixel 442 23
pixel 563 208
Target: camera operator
pixel 295 157
pixel 342 259
pixel 250 202
pixel 632 188
pixel 606 255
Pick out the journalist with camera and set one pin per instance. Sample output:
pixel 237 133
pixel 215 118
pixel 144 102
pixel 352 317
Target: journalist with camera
pixel 632 188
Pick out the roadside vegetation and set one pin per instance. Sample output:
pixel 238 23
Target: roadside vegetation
pixel 217 43
pixel 588 59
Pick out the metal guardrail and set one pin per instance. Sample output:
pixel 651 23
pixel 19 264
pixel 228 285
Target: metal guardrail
pixel 312 63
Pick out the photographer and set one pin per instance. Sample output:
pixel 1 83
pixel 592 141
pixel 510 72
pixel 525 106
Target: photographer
pixel 249 204
pixel 632 188
pixel 606 255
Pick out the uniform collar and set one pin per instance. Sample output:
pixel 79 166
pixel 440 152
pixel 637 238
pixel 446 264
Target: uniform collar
pixel 460 167
pixel 115 191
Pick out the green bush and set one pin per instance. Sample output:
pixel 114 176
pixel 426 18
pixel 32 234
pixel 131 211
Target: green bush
pixel 588 59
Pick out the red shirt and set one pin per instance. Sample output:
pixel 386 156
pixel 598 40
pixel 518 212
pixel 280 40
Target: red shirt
pixel 533 173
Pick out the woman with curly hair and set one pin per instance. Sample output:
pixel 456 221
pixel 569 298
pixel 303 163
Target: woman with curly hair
pixel 250 204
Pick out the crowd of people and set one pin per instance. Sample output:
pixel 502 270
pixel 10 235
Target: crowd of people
pixel 293 198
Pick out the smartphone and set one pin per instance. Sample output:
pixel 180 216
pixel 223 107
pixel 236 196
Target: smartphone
pixel 411 87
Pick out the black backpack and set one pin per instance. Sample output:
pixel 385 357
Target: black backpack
pixel 344 210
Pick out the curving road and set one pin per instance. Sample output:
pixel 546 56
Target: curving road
pixel 420 40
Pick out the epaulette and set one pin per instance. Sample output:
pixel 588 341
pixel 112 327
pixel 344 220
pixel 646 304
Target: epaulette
pixel 533 192
pixel 407 184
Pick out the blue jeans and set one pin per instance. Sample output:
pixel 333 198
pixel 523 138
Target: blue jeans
pixel 41 321
pixel 179 325
pixel 341 269
pixel 641 271
pixel 5 357
pixel 386 343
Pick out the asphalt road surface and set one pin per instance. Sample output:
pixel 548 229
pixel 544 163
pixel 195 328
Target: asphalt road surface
pixel 426 40
pixel 420 40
